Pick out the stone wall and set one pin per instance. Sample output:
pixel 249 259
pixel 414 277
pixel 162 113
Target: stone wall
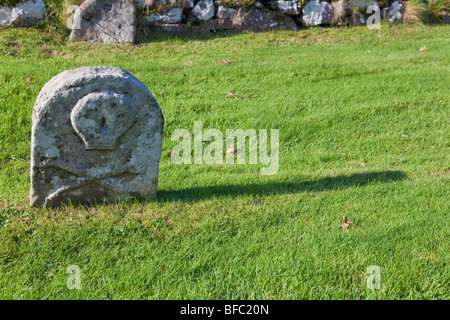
pixel 203 16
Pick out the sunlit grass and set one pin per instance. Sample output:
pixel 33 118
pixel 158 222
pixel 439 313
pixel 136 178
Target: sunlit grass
pixel 363 120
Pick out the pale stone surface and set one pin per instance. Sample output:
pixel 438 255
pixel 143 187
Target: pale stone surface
pixel 395 13
pixel 105 21
pixel 203 10
pixel 96 136
pixel 317 13
pixel 173 16
pixel 226 13
pixel 25 14
pixel 257 21
pixel 286 7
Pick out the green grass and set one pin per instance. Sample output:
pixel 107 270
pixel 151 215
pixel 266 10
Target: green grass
pixel 363 120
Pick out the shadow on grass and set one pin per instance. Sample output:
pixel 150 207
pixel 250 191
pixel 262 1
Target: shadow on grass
pixel 274 188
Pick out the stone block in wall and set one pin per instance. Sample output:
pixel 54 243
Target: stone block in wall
pixel 257 21
pixel 203 10
pixel 24 14
pixel 286 7
pixel 173 16
pixel 318 13
pixel 226 13
pixel 105 21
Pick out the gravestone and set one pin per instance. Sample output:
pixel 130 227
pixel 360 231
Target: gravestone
pixel 96 136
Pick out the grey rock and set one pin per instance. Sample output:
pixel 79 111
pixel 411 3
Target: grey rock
pixel 258 5
pixel 317 13
pixel 226 13
pixel 174 15
pixel 257 20
pixel 96 136
pixel 203 10
pixel 287 7
pixel 395 11
pixel 362 5
pixel 9 15
pixel 105 21
pixel 447 19
pixel 24 14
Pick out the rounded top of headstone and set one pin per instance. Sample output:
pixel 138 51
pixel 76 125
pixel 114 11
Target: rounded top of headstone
pixel 85 80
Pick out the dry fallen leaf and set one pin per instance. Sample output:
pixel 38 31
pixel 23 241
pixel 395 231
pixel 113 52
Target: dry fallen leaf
pixel 231 95
pixel 423 48
pixel 347 224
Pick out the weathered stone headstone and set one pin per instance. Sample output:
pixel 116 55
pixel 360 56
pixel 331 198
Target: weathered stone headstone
pixel 96 136
pixel 105 21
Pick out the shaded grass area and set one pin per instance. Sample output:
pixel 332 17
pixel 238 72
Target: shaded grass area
pixel 363 120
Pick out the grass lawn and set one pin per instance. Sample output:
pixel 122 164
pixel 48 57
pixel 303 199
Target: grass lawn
pixel 363 118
